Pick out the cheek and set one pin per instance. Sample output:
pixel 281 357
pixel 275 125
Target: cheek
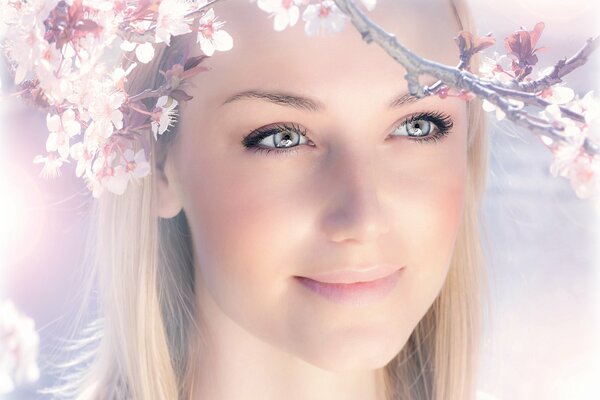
pixel 243 227
pixel 428 223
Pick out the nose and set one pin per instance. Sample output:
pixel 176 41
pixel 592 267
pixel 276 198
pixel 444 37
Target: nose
pixel 355 214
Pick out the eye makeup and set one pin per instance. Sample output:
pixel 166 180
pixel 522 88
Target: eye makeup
pixel 293 133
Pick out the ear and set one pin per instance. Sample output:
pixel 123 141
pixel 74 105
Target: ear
pixel 168 202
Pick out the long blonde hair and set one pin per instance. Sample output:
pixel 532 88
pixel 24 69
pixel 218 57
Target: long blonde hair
pixel 141 344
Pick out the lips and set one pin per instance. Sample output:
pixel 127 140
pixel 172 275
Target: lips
pixel 361 287
pixel 365 273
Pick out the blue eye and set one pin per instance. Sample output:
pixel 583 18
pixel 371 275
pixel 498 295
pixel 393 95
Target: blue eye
pixel 420 127
pixel 284 138
pixel 278 136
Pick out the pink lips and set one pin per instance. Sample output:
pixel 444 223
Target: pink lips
pixel 354 286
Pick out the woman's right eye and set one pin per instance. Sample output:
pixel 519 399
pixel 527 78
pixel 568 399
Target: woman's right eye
pixel 279 136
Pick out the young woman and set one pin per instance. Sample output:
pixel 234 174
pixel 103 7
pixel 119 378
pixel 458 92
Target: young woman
pixel 300 168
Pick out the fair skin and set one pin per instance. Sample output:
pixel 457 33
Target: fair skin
pixel 355 194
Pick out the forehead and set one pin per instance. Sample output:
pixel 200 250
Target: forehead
pixel 262 58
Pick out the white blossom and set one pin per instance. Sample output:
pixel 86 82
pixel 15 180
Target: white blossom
pixel 558 94
pixel 172 20
pixel 52 163
pixel 104 110
pixel 553 114
pixel 136 165
pixel 285 12
pixel 19 346
pixel 211 37
pixel 497 68
pixel 143 52
pixel 164 116
pixel 325 15
pixel 62 129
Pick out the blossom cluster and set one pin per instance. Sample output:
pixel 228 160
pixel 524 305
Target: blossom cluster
pixel 571 160
pixel 19 344
pixel 61 52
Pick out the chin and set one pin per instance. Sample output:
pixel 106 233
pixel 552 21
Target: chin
pixel 345 357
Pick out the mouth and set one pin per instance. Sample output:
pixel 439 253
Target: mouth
pixel 353 291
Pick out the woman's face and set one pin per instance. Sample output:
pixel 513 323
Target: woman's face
pixel 354 191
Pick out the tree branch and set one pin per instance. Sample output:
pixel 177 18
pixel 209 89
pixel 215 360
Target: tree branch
pixel 457 77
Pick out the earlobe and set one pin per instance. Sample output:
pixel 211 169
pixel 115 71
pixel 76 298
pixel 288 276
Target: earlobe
pixel 168 203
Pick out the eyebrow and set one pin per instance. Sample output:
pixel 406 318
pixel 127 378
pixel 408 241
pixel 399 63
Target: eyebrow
pixel 305 103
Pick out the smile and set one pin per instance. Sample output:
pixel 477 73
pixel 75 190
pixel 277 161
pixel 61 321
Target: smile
pixel 357 293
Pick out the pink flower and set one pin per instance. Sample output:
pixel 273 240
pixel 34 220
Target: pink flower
pixel 52 163
pixel 81 154
pixel 135 164
pixel 143 52
pixel 164 115
pixel 286 12
pixel 19 346
pixel 583 174
pixel 211 37
pixel 325 15
pixel 61 128
pixel 571 162
pixel 589 106
pixel 497 67
pixel 115 178
pixel 172 20
pixel 104 110
pixel 557 94
pixel 553 114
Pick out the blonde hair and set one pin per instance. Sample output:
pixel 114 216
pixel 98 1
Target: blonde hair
pixel 141 345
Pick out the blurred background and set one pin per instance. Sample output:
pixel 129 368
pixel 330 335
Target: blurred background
pixel 542 339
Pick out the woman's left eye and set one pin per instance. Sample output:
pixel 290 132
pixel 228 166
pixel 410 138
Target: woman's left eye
pixel 420 127
pixel 283 138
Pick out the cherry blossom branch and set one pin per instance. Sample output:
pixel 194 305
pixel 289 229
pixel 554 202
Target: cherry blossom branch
pixel 494 92
pixel 563 67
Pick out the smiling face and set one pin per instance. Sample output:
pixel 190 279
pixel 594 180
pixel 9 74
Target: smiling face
pixel 354 190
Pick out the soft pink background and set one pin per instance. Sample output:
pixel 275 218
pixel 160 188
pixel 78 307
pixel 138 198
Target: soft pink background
pixel 542 341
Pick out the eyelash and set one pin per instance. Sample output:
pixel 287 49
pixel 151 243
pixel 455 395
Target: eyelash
pixel 443 125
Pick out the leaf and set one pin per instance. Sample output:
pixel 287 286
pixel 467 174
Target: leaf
pixel 193 61
pixel 536 33
pixel 469 46
pixel 180 95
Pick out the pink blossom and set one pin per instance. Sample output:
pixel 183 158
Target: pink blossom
pixel 583 174
pixel 19 346
pixel 553 114
pixel 83 156
pixel 104 110
pixel 61 128
pixel 325 15
pixel 135 164
pixel 52 163
pixel 143 52
pixel 172 20
pixel 571 162
pixel 557 94
pixel 210 35
pixel 588 105
pixel 164 115
pixel 497 68
pixel 286 12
